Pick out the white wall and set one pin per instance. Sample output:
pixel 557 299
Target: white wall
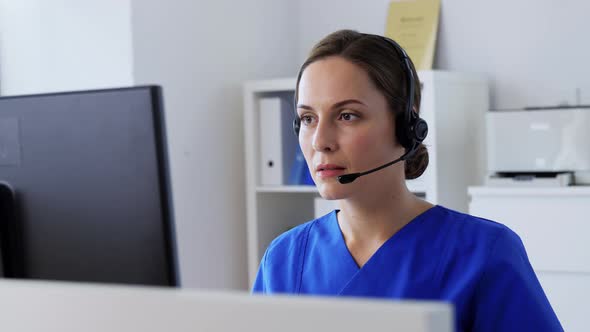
pixel 201 52
pixel 319 18
pixel 64 45
pixel 534 52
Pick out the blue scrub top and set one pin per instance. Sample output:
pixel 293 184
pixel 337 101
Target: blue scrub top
pixel 478 265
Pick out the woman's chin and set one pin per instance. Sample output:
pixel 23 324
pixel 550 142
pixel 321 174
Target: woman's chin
pixel 332 190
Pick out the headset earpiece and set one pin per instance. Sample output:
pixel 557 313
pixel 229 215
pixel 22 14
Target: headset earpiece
pixel 420 130
pixel 410 134
pixel 296 126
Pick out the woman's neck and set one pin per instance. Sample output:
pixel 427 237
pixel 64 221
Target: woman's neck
pixel 375 219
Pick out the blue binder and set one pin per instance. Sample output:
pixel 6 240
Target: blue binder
pixel 300 174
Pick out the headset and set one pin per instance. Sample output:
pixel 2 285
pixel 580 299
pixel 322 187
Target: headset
pixel 410 131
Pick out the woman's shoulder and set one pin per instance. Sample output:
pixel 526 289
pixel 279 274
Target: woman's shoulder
pixel 507 294
pixel 470 230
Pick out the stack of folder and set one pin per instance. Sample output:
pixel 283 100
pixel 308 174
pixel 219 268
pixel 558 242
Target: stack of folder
pixel 281 160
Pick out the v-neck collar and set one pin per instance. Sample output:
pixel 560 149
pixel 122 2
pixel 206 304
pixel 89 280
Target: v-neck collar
pixel 412 224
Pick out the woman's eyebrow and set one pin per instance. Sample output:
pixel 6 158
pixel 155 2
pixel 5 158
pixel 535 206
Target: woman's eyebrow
pixel 305 107
pixel 337 105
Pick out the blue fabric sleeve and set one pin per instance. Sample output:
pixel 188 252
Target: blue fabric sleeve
pixel 509 296
pixel 259 286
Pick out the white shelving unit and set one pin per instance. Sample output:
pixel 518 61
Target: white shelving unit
pixel 453 104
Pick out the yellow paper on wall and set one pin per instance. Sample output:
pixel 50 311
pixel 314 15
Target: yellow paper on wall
pixel 413 24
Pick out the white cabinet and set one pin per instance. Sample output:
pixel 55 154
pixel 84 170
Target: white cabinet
pixel 553 225
pixel 453 104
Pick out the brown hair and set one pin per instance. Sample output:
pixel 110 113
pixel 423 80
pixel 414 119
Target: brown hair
pixel 383 64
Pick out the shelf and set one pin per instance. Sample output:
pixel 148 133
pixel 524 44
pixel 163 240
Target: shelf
pixel 287 189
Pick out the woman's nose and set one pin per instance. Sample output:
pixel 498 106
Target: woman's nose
pixel 324 137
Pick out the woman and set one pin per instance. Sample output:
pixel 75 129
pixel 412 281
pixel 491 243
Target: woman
pixel 357 106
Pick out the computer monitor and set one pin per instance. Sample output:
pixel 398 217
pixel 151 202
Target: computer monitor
pixel 55 306
pixel 85 191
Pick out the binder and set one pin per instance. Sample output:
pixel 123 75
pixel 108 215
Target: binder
pixel 278 144
pixel 300 174
pixel 307 179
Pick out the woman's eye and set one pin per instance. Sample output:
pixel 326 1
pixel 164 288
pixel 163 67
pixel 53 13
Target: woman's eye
pixel 348 116
pixel 306 120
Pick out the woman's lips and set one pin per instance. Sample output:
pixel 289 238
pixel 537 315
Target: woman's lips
pixel 328 173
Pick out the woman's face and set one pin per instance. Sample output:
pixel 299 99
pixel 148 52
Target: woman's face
pixel 346 127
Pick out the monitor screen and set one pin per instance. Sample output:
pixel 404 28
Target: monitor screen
pixel 84 187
